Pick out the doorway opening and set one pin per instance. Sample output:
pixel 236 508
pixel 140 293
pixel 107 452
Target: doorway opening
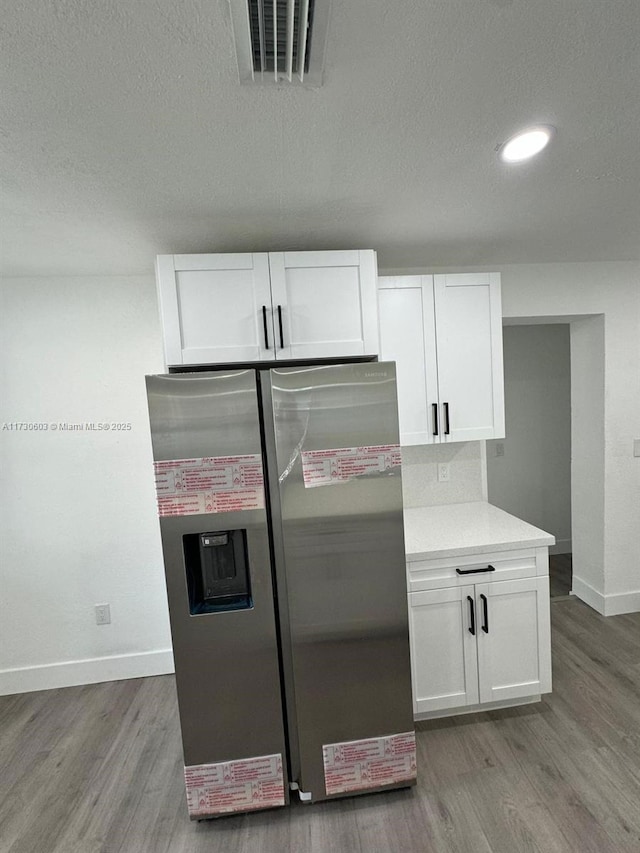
pixel 529 471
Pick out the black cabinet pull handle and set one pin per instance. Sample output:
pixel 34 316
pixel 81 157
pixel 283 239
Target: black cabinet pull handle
pixel 434 407
pixel 485 614
pixel 446 419
pixel 264 326
pixel 475 571
pixel 472 615
pixel 280 325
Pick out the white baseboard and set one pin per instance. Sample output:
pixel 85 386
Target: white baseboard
pixel 588 594
pixel 622 602
pixel 608 605
pixel 90 671
pixel 562 546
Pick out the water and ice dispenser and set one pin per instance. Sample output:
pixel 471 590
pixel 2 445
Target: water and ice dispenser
pixel 217 569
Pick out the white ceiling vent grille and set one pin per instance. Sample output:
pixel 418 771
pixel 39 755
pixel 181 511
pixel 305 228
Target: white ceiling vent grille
pixel 280 41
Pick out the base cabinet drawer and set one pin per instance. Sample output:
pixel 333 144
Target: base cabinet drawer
pixel 489 566
pixel 483 642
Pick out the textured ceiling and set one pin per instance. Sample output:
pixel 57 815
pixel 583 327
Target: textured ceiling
pixel 126 134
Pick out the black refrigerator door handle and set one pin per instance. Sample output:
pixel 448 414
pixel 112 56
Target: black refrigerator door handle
pixel 434 408
pixel 446 418
pixel 485 613
pixel 472 615
pixel 280 325
pixel 264 326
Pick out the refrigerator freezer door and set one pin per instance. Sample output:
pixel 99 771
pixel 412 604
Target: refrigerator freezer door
pixel 208 457
pixel 342 563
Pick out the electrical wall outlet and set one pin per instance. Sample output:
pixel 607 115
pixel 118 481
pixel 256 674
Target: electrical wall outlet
pixel 443 472
pixel 636 446
pixel 499 448
pixel 103 614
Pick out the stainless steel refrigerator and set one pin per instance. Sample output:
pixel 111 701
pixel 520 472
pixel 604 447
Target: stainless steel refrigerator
pixel 280 503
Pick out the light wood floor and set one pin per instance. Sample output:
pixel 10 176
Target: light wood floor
pixel 99 768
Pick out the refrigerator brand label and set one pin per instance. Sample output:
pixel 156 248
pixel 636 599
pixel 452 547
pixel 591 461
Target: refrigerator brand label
pixel 324 467
pixel 356 765
pixel 234 786
pixel 209 484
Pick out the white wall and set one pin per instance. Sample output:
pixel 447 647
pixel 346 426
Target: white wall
pixel 532 480
pixel 588 441
pixel 77 514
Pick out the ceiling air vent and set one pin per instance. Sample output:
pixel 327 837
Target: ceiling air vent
pixel 280 41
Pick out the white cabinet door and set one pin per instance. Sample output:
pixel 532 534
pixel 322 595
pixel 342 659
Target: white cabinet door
pixel 215 308
pixel 514 638
pixel 408 337
pixel 324 303
pixel 443 649
pixel 445 334
pixel 470 371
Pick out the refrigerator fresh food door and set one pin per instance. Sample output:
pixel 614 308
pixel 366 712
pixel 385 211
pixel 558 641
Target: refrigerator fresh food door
pixel 340 561
pixel 207 452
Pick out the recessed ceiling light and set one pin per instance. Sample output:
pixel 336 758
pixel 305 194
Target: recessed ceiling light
pixel 525 144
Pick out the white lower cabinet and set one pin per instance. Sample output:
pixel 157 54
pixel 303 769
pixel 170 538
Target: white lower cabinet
pixel 444 659
pixel 484 642
pixel 514 639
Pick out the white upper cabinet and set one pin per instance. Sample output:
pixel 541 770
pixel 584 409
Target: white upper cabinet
pixel 445 334
pixel 468 311
pixel 265 306
pixel 215 308
pixel 408 337
pixel 327 301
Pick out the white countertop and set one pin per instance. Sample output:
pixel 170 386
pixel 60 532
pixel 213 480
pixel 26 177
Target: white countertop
pixel 452 530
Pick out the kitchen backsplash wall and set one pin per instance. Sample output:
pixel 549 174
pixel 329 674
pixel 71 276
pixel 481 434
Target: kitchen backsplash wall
pixel 420 484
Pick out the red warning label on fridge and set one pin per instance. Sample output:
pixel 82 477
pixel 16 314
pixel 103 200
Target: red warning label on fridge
pixel 209 484
pixel 324 467
pixel 234 786
pixel 359 764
